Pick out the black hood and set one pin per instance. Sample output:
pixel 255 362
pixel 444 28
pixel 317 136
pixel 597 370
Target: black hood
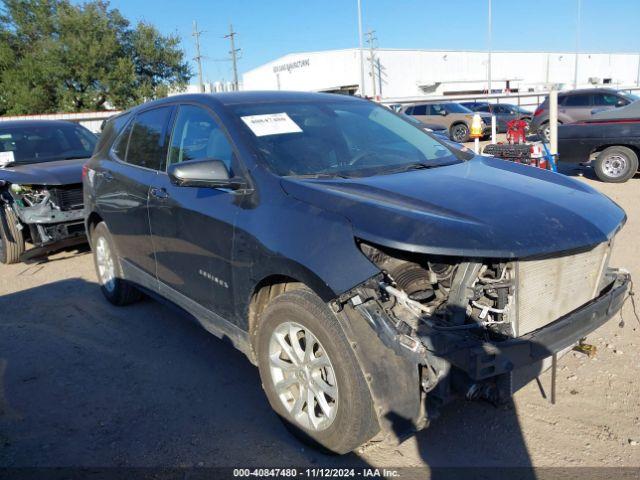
pixel 61 172
pixel 484 207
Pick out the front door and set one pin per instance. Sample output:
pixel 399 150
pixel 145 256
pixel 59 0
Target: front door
pixel 192 227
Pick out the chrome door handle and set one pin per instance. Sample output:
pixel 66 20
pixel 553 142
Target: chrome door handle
pixel 159 193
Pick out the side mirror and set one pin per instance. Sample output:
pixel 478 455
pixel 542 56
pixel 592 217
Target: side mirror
pixel 207 173
pixel 621 103
pixel 444 113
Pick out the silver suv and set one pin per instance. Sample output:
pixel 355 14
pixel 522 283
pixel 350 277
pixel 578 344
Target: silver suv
pixel 578 105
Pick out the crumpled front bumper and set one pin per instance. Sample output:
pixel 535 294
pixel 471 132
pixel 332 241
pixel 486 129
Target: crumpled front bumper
pixel 482 359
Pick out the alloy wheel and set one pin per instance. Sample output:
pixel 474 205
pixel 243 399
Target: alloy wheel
pixel 459 133
pixel 105 263
pixel 303 376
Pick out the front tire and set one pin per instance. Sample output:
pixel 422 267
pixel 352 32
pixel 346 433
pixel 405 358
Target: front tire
pixel 11 237
pixel 459 133
pixel 311 376
pixel 108 270
pixel 616 164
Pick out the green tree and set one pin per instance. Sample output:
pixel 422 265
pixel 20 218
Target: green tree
pixel 60 56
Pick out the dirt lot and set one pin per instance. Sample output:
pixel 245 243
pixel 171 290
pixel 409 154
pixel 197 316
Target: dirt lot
pixel 83 383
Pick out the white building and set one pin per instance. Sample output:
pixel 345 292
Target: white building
pixel 409 73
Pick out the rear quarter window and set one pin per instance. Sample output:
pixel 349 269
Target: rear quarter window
pixel 111 129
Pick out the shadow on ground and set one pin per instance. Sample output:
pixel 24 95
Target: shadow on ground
pixel 83 383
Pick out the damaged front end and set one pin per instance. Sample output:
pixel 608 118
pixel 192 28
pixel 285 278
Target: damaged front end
pixel 49 216
pixel 474 328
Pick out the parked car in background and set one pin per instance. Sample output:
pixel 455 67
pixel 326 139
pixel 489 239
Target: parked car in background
pixel 372 272
pixel 609 139
pixel 41 186
pixel 453 116
pixel 427 127
pixel 504 113
pixel 578 105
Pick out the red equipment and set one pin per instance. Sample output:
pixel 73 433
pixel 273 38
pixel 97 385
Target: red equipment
pixel 516 131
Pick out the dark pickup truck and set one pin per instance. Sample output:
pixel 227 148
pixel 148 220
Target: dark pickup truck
pixel 609 139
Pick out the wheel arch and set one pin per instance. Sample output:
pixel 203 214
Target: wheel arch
pixel 92 220
pixel 458 122
pixel 604 146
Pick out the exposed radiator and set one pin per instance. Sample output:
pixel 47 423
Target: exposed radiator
pixel 549 288
pixel 68 197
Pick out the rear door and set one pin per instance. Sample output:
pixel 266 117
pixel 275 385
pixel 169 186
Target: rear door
pixel 421 113
pixel 192 227
pixel 136 158
pixel 575 108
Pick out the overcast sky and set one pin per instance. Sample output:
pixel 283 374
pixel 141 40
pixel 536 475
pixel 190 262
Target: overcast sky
pixel 268 29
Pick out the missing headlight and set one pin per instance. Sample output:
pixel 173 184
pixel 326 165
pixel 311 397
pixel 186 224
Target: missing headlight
pixel 444 293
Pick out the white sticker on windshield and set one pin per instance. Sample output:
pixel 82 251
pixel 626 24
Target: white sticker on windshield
pixel 271 124
pixel 6 158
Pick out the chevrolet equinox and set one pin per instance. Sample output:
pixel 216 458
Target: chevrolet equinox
pixel 372 272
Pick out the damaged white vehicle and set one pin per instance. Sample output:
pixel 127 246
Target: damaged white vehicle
pixel 41 187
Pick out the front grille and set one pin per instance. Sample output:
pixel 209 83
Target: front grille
pixel 68 197
pixel 549 288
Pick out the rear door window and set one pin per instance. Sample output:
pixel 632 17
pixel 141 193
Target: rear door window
pixel 420 110
pixel 148 139
pixel 577 101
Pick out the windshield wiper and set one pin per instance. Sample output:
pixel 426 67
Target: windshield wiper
pixel 317 176
pixel 414 166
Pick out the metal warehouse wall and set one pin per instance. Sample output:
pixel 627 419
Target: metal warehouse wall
pixel 421 72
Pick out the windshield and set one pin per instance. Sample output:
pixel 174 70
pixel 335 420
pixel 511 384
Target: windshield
pixel 339 139
pixel 44 143
pixel 631 96
pixel 456 108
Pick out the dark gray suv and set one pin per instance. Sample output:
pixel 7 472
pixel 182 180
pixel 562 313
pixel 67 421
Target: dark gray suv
pixel 371 271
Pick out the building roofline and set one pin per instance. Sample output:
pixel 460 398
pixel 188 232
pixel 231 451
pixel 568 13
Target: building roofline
pixel 438 50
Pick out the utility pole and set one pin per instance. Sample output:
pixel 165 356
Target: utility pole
pixel 234 58
pixel 489 53
pixel 372 62
pixel 578 22
pixel 198 58
pixel 547 75
pixel 361 48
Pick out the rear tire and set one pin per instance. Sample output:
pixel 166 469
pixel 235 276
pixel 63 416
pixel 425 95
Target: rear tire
pixel 304 358
pixel 11 237
pixel 108 270
pixel 544 132
pixel 616 164
pixel 459 133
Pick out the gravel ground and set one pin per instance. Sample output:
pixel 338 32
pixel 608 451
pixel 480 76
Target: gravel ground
pixel 83 383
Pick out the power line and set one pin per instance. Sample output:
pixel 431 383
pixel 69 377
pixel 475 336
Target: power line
pixel 198 58
pixel 234 58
